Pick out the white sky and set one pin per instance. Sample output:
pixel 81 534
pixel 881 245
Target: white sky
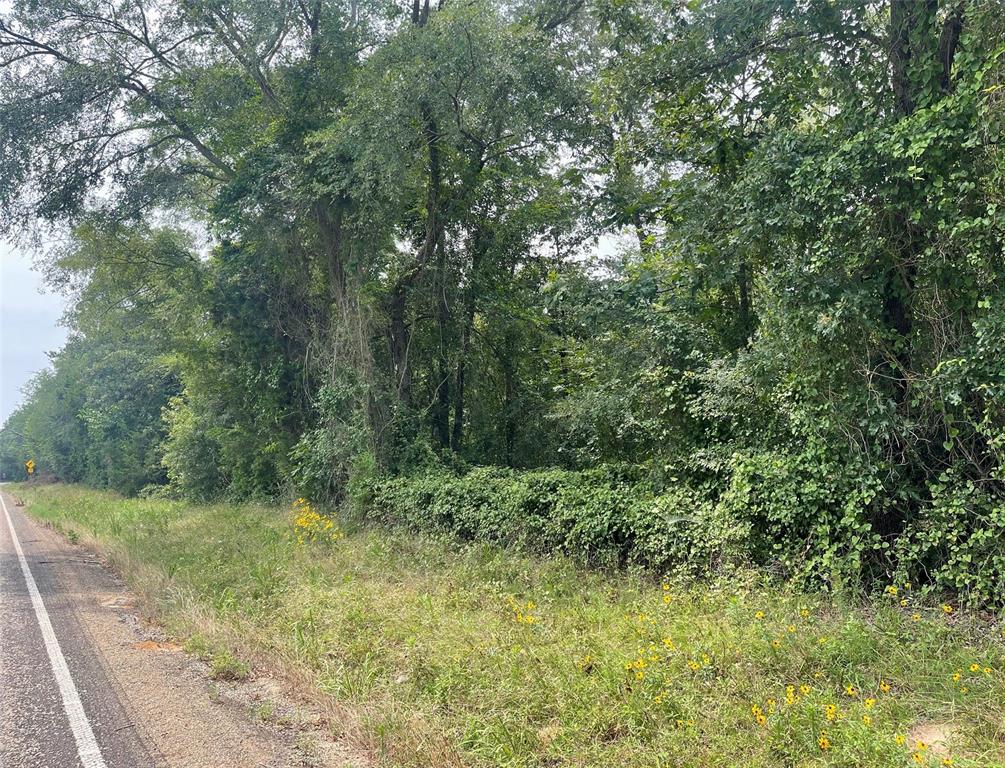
pixel 28 325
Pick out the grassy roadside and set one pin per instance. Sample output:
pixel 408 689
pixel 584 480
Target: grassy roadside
pixel 439 655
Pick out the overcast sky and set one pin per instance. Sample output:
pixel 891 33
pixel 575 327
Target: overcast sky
pixel 29 326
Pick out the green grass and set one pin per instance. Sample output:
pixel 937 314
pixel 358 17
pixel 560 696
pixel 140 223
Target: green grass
pixel 419 642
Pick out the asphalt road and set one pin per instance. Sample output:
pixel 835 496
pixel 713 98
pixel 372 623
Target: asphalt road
pixel 85 684
pixel 59 707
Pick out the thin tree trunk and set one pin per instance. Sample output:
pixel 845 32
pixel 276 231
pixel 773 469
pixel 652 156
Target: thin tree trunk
pixel 399 341
pixel 470 303
pixel 746 314
pixel 398 300
pixel 441 413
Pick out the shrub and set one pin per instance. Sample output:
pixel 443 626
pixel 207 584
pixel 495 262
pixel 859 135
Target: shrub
pixel 607 516
pixel 809 514
pixel 958 543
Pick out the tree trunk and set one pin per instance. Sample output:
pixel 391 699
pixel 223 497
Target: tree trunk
pixel 470 303
pixel 399 341
pixel 398 300
pixel 746 316
pixel 915 42
pixel 329 218
pixel 441 411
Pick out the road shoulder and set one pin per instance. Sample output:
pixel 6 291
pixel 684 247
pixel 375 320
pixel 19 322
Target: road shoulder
pixel 182 717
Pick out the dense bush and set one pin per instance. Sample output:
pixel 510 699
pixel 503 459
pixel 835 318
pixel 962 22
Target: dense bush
pixel 801 516
pixel 606 516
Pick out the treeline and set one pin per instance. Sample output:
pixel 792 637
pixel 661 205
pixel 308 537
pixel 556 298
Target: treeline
pixel 350 248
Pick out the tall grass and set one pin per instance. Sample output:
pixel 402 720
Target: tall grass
pixel 432 654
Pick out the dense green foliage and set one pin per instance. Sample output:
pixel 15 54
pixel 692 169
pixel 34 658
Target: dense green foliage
pixel 352 249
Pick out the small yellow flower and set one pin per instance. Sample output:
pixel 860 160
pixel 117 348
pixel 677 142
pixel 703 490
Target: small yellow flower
pixel 903 603
pixel 666 587
pixel 975 667
pixel 694 665
pixel 957 677
pixel 921 746
pixel 987 670
pixel 867 719
pixel 900 739
pixel 947 608
pixel 804 612
pixel 963 689
pixel 761 720
pixel 884 686
pixel 947 761
pixel 891 590
pixel 776 643
pixel 915 617
pixel 918 757
pixel 830 712
pixel 850 690
pixel 869 703
pixel 666 599
pixel 792 629
pixel 759 615
pixel 804 690
pixel 824 742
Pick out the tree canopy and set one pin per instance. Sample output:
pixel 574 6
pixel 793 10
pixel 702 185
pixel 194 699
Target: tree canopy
pixel 317 243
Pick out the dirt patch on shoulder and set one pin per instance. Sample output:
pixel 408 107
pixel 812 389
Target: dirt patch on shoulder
pixel 937 736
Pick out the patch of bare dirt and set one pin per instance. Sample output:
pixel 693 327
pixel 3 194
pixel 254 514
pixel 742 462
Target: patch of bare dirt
pixel 936 735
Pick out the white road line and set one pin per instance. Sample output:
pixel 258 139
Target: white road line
pixel 87 745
